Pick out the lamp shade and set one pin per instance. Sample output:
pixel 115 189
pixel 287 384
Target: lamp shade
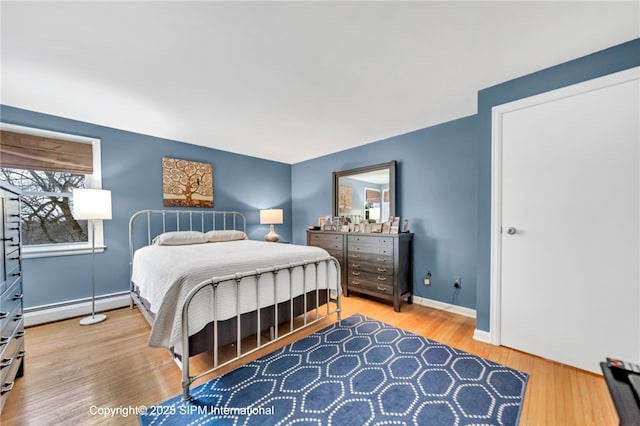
pixel 271 217
pixel 91 204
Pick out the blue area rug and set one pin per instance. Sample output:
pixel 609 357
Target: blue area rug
pixel 358 371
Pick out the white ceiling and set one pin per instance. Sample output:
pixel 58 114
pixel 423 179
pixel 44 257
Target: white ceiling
pixel 286 81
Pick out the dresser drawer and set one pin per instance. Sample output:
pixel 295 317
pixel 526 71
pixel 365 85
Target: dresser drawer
pixel 327 241
pixel 9 367
pixel 373 266
pixel 335 253
pixel 12 209
pixel 11 316
pixel 10 359
pixel 371 240
pixel 371 282
pixel 11 235
pixel 10 304
pixel 12 262
pixel 369 244
pixel 14 291
pixel 11 338
pixel 375 258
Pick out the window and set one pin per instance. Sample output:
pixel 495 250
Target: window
pixel 47 166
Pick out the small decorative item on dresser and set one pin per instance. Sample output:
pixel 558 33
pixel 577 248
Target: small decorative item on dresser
pixel 395 225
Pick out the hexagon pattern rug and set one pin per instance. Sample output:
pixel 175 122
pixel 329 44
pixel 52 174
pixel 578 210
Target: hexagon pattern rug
pixel 358 371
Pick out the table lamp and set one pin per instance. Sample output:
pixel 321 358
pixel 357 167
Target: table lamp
pixel 271 217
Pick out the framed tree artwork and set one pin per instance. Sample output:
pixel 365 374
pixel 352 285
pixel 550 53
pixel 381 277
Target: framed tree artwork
pixel 186 183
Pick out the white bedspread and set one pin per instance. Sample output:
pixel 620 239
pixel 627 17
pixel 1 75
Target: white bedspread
pixel 166 274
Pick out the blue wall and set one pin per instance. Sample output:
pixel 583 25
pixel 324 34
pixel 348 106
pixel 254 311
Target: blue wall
pixel 132 170
pixel 436 185
pixel 443 188
pixel 444 182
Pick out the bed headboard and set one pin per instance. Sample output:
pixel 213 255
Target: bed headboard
pixel 145 225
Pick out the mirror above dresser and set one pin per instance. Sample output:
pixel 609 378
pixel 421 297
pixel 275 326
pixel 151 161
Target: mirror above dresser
pixel 366 193
pixel 376 261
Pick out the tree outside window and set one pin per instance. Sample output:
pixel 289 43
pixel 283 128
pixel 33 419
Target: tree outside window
pixel 46 213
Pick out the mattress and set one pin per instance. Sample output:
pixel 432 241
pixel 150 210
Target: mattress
pixel 166 274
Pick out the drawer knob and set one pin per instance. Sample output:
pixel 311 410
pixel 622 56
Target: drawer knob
pixel 6 387
pixel 382 269
pixel 356 273
pixel 382 288
pixel 6 363
pixel 355 256
pixel 3 315
pixel 19 334
pixel 3 340
pixel 18 296
pixel 382 278
pixel 355 265
pixel 380 259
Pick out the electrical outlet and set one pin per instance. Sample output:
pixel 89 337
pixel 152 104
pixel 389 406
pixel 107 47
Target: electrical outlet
pixel 457 283
pixel 427 281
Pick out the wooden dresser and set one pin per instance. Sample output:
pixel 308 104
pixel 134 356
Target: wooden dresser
pixel 379 265
pixel 11 310
pixel 335 244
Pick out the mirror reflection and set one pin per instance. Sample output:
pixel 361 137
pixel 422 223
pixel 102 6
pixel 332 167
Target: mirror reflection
pixel 365 194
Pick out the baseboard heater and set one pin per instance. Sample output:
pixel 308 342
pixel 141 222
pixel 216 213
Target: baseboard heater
pixel 73 308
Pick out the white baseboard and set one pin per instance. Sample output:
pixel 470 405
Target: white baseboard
pixel 479 335
pixel 74 308
pixel 482 336
pixel 435 304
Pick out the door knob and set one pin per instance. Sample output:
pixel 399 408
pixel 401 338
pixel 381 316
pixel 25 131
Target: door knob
pixel 511 230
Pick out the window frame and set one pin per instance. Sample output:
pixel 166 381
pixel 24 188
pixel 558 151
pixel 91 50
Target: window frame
pixel 93 181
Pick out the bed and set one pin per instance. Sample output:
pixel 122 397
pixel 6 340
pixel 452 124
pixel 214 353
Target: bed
pixel 202 285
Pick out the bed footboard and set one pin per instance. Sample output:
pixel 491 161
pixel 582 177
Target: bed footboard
pixel 310 314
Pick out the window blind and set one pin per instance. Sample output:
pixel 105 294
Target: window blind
pixel 372 196
pixel 25 151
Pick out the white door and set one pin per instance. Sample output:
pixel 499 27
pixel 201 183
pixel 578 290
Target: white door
pixel 567 235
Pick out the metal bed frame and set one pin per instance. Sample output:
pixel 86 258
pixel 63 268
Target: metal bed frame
pixel 184 221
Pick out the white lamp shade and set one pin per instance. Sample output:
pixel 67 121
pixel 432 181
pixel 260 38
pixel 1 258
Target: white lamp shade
pixel 91 204
pixel 271 217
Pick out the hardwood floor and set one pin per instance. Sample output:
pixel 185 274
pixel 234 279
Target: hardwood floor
pixel 74 374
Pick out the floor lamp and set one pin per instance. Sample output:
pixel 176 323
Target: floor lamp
pixel 92 205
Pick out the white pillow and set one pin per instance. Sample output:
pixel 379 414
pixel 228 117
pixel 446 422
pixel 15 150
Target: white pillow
pixel 222 236
pixel 180 238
